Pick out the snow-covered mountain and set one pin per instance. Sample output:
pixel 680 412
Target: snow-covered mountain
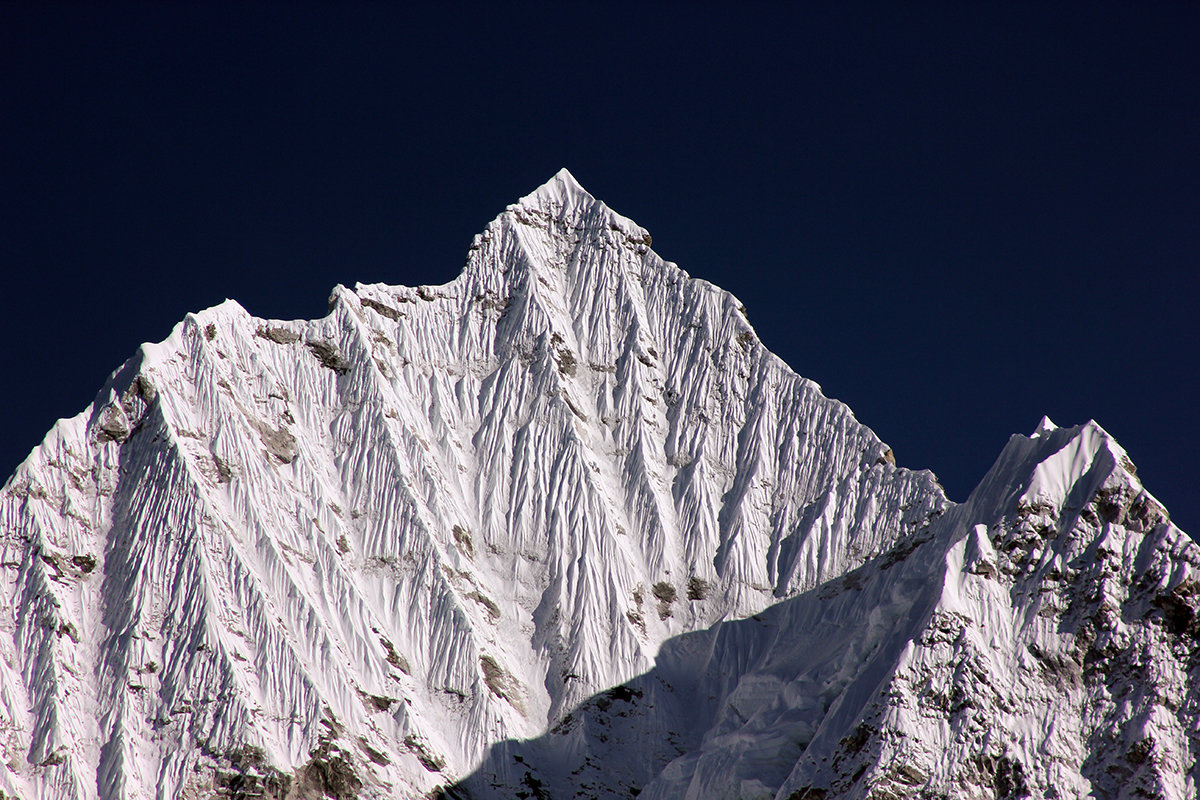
pixel 564 528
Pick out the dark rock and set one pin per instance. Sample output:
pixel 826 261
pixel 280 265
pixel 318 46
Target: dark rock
pixel 500 682
pixel 1178 608
pixel 143 388
pixel 279 442
pixel 1145 514
pixel 901 551
pixel 535 786
pixel 1009 781
pixel 1110 505
pixel 395 659
pixel 244 774
pixel 490 301
pixel 382 309
pixel 492 609
pixel 429 760
pixel 277 335
pixel 665 593
pixel 377 757
pixel 624 694
pixel 566 363
pixel 86 563
pixel 329 773
pixel 1140 751
pixel 380 703
pixel 329 357
pixel 224 473
pixel 462 537
pixel 113 424
pixel 857 740
pixel 1006 776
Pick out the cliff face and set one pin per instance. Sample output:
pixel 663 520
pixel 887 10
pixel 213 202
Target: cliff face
pixel 564 526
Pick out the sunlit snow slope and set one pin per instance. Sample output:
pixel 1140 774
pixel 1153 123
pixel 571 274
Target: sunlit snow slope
pixel 562 527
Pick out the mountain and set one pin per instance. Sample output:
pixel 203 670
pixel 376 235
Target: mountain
pixel 563 527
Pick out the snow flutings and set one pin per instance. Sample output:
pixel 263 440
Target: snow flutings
pixel 563 527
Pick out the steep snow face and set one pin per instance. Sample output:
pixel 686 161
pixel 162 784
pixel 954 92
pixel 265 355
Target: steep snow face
pixel 346 556
pixel 1040 640
pixel 562 527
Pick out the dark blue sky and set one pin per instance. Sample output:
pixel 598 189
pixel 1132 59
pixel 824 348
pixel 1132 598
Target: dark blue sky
pixel 955 217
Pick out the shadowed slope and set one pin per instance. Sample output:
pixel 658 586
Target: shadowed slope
pixel 369 546
pixel 1038 641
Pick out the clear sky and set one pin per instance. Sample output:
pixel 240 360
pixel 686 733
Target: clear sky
pixel 954 217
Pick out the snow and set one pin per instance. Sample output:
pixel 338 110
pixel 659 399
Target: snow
pixel 563 522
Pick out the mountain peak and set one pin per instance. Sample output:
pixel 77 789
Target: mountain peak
pixel 561 188
pixel 1045 426
pixel 516 519
pixel 563 198
pixel 546 225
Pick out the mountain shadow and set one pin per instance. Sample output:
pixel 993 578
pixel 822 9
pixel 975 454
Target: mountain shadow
pixel 730 709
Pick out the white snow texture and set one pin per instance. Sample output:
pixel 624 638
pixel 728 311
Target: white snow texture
pixel 564 528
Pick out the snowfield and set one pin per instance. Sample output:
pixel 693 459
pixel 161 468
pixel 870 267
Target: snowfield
pixel 564 528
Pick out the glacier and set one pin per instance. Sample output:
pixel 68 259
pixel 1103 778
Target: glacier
pixel 563 527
